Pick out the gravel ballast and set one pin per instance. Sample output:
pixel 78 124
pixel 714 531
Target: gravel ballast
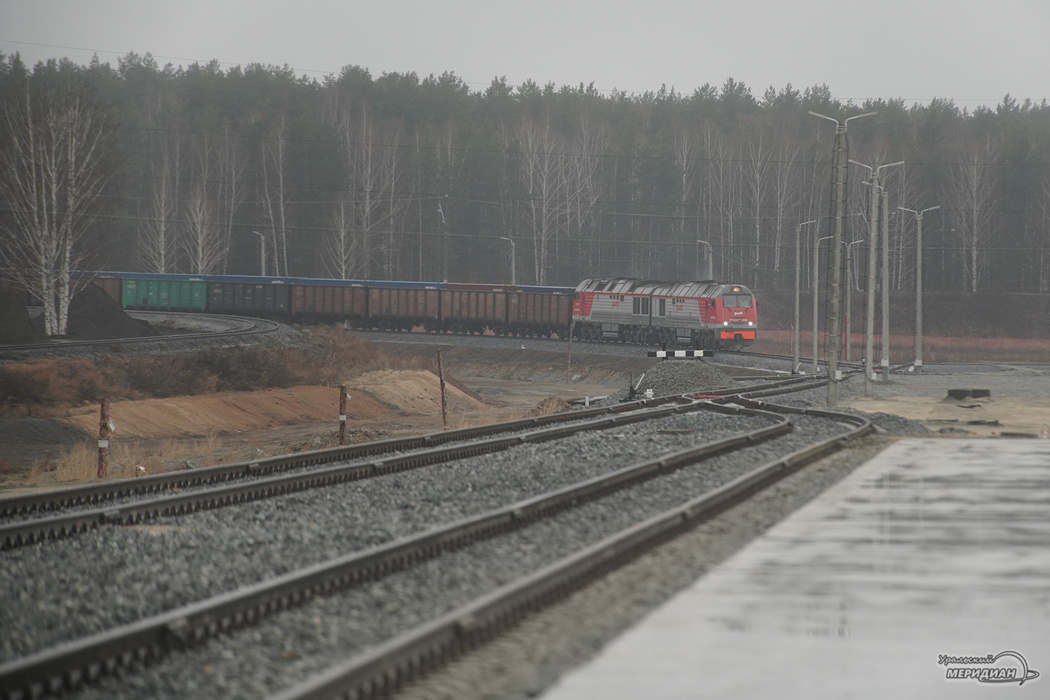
pixel 116 575
pixel 331 628
pixel 223 549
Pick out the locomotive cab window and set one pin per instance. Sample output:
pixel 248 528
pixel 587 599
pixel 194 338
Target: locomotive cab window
pixel 737 301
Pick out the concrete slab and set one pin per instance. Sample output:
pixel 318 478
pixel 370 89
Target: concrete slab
pixel 934 549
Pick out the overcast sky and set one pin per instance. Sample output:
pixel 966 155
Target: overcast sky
pixel 971 51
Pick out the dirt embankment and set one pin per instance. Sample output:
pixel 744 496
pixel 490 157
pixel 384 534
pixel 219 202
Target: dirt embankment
pixel 482 386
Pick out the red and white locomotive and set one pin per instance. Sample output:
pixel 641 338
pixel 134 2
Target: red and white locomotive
pixel 702 315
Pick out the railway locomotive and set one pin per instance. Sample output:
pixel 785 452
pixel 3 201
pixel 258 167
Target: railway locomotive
pixel 703 315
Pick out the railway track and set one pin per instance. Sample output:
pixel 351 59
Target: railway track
pixel 133 501
pixel 223 327
pixel 168 634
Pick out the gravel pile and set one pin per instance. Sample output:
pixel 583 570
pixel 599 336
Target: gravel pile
pixel 673 377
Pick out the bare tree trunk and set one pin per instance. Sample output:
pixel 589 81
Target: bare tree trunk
pixel 725 181
pixel 545 185
pixel 392 178
pixel 230 190
pixel 202 234
pixel 970 193
pixel 786 181
pixel 755 175
pixel 584 187
pixel 274 193
pixel 53 168
pixel 344 245
pixel 159 237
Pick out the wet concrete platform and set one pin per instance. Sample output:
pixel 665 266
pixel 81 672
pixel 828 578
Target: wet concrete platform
pixel 923 572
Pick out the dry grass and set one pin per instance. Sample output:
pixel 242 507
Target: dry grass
pixel 80 462
pixel 551 404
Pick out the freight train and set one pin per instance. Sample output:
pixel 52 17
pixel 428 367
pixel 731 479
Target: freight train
pixel 704 315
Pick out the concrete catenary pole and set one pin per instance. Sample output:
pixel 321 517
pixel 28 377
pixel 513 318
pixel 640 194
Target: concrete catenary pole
pixel 848 314
pixel 918 284
pixel 873 253
pixel 798 283
pixel 838 212
pixel 816 297
pixel 885 305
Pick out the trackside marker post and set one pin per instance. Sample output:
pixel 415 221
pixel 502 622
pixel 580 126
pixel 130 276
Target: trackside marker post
pixel 103 439
pixel 441 378
pixel 568 364
pixel 343 396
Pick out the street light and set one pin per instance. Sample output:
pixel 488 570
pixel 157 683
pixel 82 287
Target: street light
pixel 513 276
pixel 873 248
pixel 710 263
pixel 816 287
pixel 838 214
pixel 262 252
pixel 798 283
pixel 918 284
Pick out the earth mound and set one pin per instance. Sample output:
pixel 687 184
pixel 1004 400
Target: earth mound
pixel 673 377
pixel 93 315
pixel 15 324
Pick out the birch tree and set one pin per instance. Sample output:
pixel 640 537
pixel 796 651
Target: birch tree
pixel 755 176
pixel 159 235
pixel 274 190
pixel 545 189
pixel 343 247
pixel 230 170
pixel 583 184
pixel 726 197
pixel 55 161
pixel 970 193
pixel 786 197
pixel 202 232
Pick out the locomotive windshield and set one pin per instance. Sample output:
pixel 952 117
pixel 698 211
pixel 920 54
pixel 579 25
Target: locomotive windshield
pixel 737 301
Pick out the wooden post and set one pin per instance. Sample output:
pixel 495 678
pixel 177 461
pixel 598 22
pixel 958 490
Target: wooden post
pixel 342 415
pixel 441 378
pixel 103 439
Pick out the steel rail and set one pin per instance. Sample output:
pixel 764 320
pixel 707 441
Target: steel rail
pixel 70 664
pixel 57 499
pixel 408 655
pixel 14 535
pixel 94 494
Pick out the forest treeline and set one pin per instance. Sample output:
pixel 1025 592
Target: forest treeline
pixel 203 170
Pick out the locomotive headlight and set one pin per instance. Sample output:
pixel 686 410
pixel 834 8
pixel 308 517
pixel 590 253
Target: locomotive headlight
pixel 750 323
pixel 725 323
